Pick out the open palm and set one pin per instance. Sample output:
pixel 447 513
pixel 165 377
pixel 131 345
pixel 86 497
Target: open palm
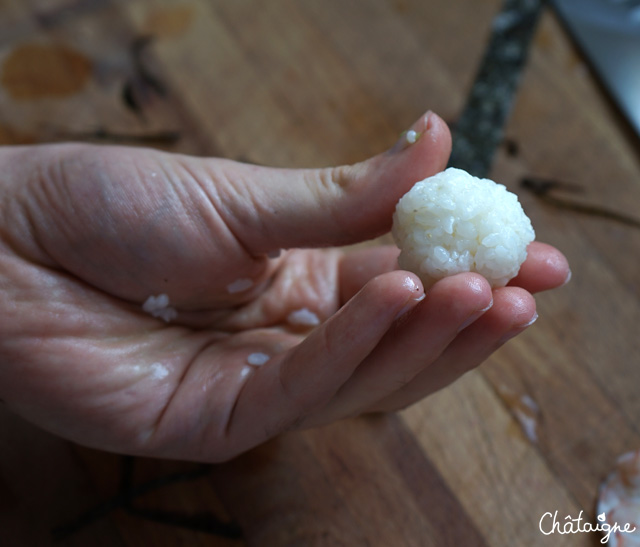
pixel 166 305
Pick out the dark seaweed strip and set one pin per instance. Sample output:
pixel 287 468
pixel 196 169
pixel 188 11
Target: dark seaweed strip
pixel 479 130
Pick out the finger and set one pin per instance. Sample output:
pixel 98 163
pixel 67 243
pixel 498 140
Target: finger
pixel 267 208
pixel 450 305
pixel 545 268
pixel 512 312
pixel 357 267
pixel 280 395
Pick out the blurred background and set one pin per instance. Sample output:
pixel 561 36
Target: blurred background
pixel 302 83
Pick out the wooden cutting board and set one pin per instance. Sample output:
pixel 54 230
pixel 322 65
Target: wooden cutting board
pixel 314 83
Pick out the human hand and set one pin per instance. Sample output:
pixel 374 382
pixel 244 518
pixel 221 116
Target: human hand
pixel 88 234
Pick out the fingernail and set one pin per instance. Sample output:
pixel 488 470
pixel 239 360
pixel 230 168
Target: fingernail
pixel 530 322
pixel 428 120
pixel 409 306
pixel 411 303
pixel 569 275
pixel 474 316
pixel 518 329
pixel 413 134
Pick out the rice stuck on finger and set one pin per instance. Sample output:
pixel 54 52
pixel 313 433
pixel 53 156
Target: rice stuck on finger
pixel 454 222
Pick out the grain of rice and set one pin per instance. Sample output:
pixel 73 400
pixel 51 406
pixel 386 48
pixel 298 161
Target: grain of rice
pixel 258 359
pixel 303 317
pixel 239 285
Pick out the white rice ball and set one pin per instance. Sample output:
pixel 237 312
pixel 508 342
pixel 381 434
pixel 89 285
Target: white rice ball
pixel 454 222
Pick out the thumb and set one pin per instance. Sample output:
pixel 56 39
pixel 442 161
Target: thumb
pixel 268 209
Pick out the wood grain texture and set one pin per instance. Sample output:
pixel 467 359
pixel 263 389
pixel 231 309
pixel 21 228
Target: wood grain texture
pixel 331 492
pixel 310 83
